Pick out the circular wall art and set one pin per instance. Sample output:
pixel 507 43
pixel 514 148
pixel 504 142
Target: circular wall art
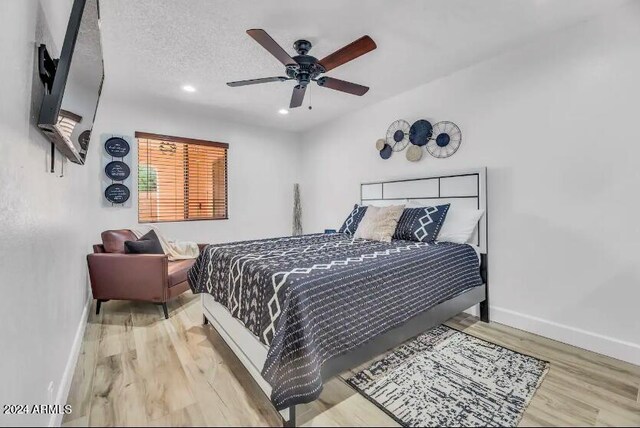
pixel 117 170
pixel 117 147
pixel 414 153
pixel 386 152
pixel 380 144
pixel 398 135
pixel 420 132
pixel 117 193
pixel 446 141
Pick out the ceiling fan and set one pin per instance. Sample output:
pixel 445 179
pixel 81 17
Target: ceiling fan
pixel 305 68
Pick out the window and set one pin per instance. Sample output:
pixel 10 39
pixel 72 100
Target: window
pixel 181 179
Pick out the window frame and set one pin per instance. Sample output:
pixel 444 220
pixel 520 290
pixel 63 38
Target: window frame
pixel 185 140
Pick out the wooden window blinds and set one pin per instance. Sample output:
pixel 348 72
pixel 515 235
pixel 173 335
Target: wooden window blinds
pixel 181 179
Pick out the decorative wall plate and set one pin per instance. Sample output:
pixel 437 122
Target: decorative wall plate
pixel 386 152
pixel 117 193
pixel 117 147
pixel 446 140
pixel 420 132
pixel 414 153
pixel 380 144
pixel 117 170
pixel 398 135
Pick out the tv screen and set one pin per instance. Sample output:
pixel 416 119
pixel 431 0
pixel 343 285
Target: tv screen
pixel 69 105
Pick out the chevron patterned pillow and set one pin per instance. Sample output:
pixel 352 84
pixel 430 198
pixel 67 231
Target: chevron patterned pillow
pixel 351 223
pixel 421 224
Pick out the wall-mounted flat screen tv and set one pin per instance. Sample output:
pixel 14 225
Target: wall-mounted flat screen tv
pixel 75 81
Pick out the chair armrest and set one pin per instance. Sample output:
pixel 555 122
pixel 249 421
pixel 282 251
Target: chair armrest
pixel 129 276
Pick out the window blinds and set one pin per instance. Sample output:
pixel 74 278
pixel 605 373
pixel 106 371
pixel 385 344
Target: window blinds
pixel 181 179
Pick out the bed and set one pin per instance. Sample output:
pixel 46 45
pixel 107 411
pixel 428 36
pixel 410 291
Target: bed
pixel 299 310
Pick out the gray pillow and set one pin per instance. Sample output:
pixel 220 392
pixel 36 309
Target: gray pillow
pixel 147 244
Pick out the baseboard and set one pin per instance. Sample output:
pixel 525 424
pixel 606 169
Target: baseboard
pixel 609 346
pixel 65 383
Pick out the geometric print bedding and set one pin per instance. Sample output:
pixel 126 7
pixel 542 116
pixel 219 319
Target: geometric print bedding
pixel 353 220
pixel 312 297
pixel 448 378
pixel 421 224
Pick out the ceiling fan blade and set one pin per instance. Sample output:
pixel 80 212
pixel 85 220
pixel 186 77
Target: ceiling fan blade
pixel 297 96
pixel 352 51
pixel 343 86
pixel 256 81
pixel 269 44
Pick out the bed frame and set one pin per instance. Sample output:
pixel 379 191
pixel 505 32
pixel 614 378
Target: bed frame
pixel 466 189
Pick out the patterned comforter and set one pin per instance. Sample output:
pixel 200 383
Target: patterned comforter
pixel 314 297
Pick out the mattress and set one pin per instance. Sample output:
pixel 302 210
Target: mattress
pixel 313 297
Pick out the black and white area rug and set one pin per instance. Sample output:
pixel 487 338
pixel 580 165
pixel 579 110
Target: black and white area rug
pixel 448 378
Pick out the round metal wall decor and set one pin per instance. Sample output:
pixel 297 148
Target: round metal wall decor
pixel 117 170
pixel 420 132
pixel 380 144
pixel 117 147
pixel 386 152
pixel 446 141
pixel 414 153
pixel 117 193
pixel 398 135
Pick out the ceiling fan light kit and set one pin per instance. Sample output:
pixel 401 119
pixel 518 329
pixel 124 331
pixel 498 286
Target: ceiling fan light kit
pixel 304 68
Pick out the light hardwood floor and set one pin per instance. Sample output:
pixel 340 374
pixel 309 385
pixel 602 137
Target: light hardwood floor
pixel 135 368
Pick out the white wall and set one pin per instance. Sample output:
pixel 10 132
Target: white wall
pixel 556 123
pixel 43 220
pixel 48 223
pixel 262 168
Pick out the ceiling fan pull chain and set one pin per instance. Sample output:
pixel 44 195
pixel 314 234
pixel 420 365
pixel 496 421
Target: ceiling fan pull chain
pixel 310 99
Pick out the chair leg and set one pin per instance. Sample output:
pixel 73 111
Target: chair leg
pixel 98 303
pixel 165 310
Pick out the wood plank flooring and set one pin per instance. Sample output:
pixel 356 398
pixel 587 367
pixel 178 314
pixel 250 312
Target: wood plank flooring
pixel 136 368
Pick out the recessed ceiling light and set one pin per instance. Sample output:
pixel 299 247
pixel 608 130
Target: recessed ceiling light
pixel 283 111
pixel 188 88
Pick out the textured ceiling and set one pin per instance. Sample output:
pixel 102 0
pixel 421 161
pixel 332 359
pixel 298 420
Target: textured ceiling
pixel 153 47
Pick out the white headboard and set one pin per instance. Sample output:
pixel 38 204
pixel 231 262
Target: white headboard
pixel 465 189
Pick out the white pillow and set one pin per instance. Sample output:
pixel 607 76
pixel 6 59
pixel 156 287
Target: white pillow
pixel 459 225
pixel 417 204
pixel 379 223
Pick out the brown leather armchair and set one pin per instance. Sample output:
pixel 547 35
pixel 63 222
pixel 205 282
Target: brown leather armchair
pixel 145 277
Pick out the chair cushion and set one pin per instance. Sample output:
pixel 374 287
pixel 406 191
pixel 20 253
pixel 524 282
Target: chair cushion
pixel 178 271
pixel 113 240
